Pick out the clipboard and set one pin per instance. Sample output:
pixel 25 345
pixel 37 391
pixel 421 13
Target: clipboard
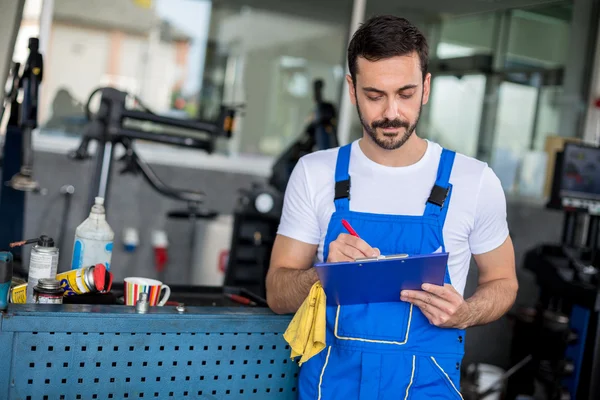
pixel 379 279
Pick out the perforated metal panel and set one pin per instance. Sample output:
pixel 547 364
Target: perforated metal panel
pixel 208 355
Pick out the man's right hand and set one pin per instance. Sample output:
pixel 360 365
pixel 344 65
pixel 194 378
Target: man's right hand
pixel 348 248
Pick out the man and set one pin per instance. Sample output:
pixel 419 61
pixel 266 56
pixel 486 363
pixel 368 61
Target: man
pixel 402 194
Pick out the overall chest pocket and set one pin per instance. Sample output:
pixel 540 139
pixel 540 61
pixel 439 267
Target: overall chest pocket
pixel 385 323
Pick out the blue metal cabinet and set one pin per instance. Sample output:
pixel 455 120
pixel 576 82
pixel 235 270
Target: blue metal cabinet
pixel 110 352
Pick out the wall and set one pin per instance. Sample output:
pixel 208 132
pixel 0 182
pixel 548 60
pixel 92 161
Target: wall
pixel 273 114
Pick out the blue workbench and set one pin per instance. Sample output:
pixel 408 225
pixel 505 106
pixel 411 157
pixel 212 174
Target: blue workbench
pixel 110 352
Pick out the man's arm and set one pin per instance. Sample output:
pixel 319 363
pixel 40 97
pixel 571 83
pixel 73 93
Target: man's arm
pixel 497 286
pixel 495 293
pixel 291 274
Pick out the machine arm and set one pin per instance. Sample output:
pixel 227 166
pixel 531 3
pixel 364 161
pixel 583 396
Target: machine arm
pixel 133 159
pixel 114 123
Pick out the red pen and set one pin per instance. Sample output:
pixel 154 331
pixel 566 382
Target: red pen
pixel 349 228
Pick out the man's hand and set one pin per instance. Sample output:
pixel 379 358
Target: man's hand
pixel 348 248
pixel 442 305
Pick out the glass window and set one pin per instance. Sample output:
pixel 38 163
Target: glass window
pixel 548 115
pixel 184 58
pixel 273 69
pixel 466 36
pixel 455 112
pixel 539 37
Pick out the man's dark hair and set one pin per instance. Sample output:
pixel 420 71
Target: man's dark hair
pixel 385 37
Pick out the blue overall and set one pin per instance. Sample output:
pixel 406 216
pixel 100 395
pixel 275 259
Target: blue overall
pixel 387 350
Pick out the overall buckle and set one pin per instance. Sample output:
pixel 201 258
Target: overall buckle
pixel 438 195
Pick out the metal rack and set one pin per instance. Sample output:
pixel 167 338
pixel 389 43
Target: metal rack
pixel 111 352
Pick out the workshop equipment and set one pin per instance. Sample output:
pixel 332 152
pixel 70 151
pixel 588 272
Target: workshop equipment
pixel 28 118
pixel 12 202
pixel 116 123
pixel 43 261
pixel 319 134
pixel 93 279
pixel 93 239
pixel 562 331
pixel 252 239
pixel 113 352
pixel 6 274
pixel 17 170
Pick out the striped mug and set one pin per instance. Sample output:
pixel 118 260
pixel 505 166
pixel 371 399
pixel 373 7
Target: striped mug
pixel 134 286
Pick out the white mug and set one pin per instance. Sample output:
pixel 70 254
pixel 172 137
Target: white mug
pixel 135 285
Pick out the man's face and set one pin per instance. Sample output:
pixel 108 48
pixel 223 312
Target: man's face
pixel 388 95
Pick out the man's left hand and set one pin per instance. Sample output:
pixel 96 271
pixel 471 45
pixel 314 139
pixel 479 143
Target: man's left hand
pixel 442 305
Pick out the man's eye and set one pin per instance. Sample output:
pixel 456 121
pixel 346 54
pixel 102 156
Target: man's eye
pixel 406 96
pixel 374 98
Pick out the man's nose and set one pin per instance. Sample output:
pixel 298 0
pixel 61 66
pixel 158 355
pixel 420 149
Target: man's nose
pixel 391 110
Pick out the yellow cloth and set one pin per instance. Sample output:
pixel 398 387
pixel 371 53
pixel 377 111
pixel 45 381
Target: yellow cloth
pixel 306 332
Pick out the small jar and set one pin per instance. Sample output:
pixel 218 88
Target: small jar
pixel 48 291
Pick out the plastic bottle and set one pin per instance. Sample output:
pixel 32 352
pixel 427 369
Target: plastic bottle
pixel 93 239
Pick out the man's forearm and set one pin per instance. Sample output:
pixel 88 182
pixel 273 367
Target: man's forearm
pixel 491 301
pixel 287 288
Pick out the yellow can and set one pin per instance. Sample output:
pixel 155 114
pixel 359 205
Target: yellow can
pixel 74 281
pixel 18 294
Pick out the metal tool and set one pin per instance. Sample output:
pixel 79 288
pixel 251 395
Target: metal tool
pixel 142 305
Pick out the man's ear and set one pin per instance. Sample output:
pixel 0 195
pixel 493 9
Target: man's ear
pixel 426 88
pixel 351 89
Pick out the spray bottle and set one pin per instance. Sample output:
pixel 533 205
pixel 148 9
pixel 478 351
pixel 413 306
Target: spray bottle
pixel 43 261
pixel 93 239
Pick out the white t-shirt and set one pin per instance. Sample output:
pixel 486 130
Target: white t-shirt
pixel 475 223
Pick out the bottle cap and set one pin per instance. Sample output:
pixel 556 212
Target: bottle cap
pixel 97 211
pixel 45 241
pixel 48 283
pixel 100 277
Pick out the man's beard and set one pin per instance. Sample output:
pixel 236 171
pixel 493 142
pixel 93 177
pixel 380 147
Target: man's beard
pixel 389 141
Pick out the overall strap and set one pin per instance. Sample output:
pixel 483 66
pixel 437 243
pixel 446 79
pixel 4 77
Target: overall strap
pixel 342 179
pixel 437 203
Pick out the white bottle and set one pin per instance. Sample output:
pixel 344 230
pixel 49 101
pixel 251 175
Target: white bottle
pixel 93 239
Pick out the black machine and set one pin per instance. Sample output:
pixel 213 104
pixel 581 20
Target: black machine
pixel 16 177
pixel 561 334
pixel 116 122
pixel 320 134
pixel 259 209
